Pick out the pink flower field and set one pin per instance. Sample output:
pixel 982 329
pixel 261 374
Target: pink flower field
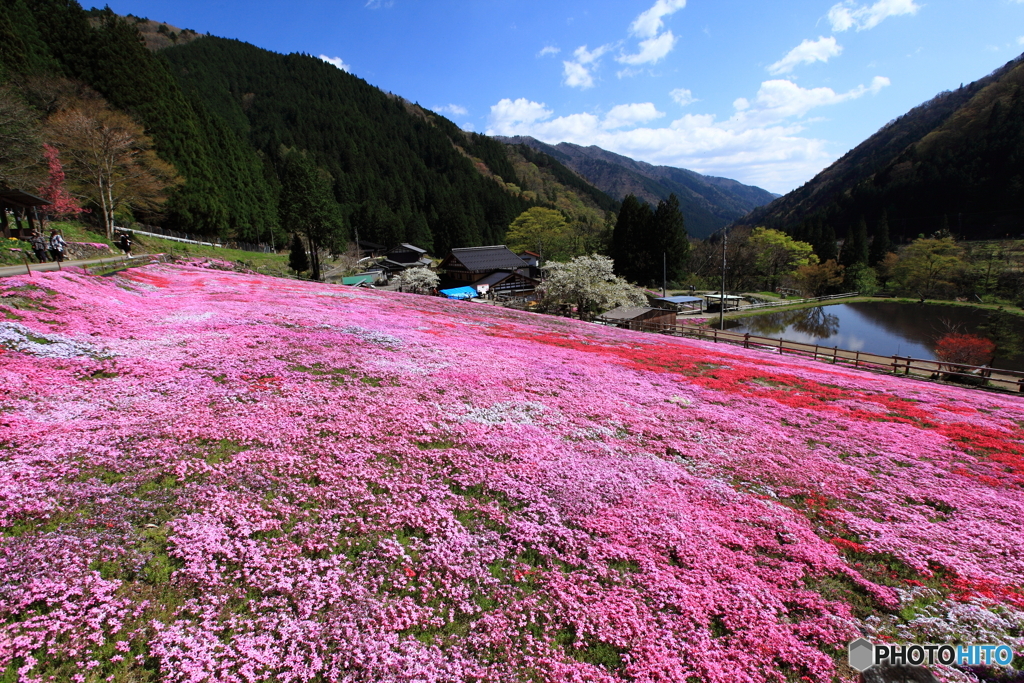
pixel 212 476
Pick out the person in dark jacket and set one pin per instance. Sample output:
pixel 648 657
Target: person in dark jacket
pixel 38 243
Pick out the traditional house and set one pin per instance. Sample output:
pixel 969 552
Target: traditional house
pixel 502 282
pixel 21 205
pixel 494 269
pixel 404 256
pixel 468 264
pixel 635 317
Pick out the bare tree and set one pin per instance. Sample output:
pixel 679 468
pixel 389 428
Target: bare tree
pixel 110 159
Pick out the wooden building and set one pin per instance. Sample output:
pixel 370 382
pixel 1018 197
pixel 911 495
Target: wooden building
pixel 404 256
pixel 22 205
pixel 466 266
pixel 634 317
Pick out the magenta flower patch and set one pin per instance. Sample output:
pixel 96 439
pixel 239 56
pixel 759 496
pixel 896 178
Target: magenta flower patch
pixel 212 476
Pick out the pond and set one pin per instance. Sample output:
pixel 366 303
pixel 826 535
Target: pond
pixel 887 328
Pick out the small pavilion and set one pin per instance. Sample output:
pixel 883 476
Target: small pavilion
pixel 21 205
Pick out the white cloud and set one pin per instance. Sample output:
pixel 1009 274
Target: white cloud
pixel 584 56
pixel 337 61
pixel 848 14
pixel 578 74
pixel 1020 41
pixel 779 100
pixel 507 115
pixel 377 4
pixel 760 144
pixel 650 23
pixel 630 115
pixel 652 50
pixel 548 50
pixel 807 52
pixel 453 109
pixel 682 97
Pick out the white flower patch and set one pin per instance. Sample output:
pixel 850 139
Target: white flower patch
pixel 20 338
pixel 372 336
pixel 506 412
pixel 185 317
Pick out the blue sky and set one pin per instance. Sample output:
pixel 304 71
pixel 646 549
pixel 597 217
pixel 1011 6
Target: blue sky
pixel 766 92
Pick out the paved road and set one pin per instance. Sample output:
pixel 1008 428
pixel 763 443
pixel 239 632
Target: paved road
pixel 7 271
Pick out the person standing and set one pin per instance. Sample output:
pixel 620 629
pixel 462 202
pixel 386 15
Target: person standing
pixel 57 245
pixel 38 243
pixel 126 244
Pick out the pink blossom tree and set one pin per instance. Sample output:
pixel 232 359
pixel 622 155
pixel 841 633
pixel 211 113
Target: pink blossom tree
pixel 62 203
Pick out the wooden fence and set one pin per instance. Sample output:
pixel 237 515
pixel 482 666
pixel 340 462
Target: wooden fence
pixel 790 302
pixel 968 375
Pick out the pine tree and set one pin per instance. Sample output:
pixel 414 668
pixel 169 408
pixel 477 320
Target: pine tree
pixel 307 205
pixel 855 249
pixel 632 243
pixel 298 260
pixel 880 245
pixel 670 238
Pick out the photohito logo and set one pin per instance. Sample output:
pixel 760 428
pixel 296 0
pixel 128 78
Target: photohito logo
pixel 864 654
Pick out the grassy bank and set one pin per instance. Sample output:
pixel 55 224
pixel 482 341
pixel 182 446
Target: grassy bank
pixel 1016 310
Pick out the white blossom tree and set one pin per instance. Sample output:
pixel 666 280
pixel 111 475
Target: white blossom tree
pixel 589 284
pixel 418 280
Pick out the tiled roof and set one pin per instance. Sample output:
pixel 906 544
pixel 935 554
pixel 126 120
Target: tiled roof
pixel 627 312
pixel 488 258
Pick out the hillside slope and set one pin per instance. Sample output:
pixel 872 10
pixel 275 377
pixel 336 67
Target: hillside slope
pixel 210 475
pixel 956 161
pixel 708 203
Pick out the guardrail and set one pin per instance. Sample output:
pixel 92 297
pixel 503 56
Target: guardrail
pixel 168 237
pixel 977 376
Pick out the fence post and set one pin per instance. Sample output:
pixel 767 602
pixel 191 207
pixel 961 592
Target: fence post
pixel 856 362
pixel 835 354
pixel 894 364
pixel 815 352
pixel 746 340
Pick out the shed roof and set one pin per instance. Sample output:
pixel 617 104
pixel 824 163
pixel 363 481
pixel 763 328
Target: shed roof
pixel 680 299
pixel 364 278
pixel 410 247
pixel 488 258
pixel 627 312
pixel 22 198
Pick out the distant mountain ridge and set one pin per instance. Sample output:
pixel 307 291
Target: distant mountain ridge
pixel 708 203
pixel 956 162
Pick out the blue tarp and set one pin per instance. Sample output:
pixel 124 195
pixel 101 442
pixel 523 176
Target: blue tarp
pixel 459 293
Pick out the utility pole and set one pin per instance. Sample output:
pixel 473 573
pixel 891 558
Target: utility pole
pixel 721 308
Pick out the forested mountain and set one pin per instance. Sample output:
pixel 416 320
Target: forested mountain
pixel 399 172
pixel 48 40
pixel 955 162
pixel 708 203
pixel 227 115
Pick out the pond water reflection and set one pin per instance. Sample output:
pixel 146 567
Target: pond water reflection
pixel 887 328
